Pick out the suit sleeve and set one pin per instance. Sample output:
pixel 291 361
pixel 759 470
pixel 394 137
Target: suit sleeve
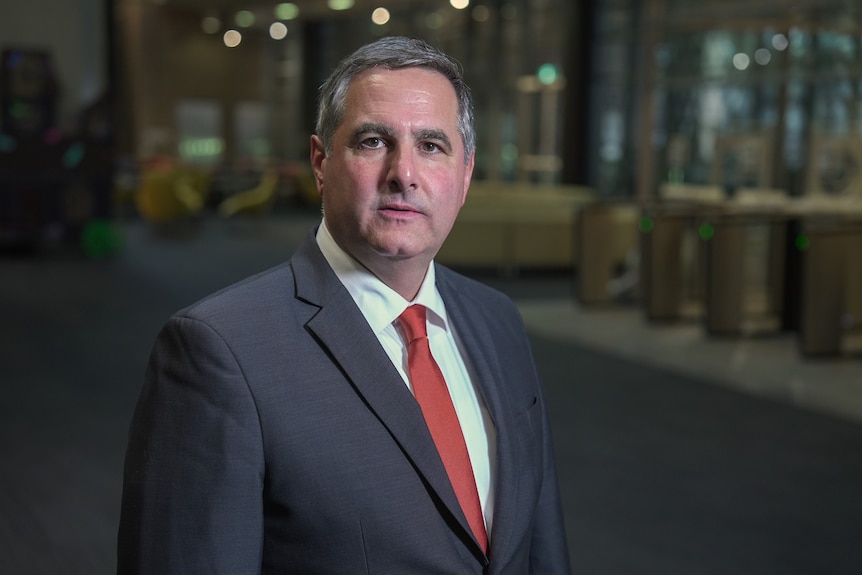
pixel 193 477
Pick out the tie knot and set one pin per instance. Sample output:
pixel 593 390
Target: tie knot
pixel 413 322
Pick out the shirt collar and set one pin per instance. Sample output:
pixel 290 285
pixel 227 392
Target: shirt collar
pixel 380 304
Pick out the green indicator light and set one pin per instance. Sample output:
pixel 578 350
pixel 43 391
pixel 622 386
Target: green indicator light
pixel 547 74
pixel 646 224
pixel 99 239
pixel 802 242
pixel 706 231
pixel 73 155
pixel 676 175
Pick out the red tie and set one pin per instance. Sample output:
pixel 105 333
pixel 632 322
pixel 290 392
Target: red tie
pixel 431 392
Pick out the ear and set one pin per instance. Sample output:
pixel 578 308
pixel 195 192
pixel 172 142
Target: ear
pixel 318 158
pixel 468 176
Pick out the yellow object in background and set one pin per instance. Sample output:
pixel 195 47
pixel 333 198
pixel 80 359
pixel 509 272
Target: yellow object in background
pixel 258 200
pixel 166 194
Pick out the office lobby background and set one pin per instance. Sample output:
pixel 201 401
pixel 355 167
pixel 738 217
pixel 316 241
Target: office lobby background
pixel 670 190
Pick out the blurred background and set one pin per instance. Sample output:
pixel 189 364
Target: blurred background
pixel 670 190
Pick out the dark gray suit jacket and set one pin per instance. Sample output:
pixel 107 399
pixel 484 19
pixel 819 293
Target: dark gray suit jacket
pixel 274 435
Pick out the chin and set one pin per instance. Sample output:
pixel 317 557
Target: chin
pixel 402 251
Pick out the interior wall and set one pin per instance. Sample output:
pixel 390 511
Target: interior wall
pixel 167 59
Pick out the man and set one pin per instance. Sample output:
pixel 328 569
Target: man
pixel 289 424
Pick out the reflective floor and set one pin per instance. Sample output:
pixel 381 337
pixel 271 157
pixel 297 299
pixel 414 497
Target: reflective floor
pixel 677 453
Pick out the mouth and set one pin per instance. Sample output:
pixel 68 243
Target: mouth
pixel 399 209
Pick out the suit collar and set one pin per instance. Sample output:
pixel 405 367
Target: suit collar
pixel 315 281
pixel 380 304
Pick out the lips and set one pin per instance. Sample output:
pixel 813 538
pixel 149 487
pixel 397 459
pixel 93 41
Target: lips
pixel 400 208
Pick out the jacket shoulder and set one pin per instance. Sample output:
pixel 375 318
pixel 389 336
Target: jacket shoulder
pixel 273 286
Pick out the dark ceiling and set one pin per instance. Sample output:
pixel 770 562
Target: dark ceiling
pixel 313 9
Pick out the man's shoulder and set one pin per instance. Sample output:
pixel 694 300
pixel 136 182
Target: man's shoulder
pixel 253 294
pixel 275 288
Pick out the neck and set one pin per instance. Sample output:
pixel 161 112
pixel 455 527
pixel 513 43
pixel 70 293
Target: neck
pixel 404 276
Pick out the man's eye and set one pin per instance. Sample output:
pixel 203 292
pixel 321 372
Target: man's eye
pixel 372 143
pixel 429 147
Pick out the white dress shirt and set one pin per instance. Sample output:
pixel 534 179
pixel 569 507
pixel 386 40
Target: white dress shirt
pixel 381 306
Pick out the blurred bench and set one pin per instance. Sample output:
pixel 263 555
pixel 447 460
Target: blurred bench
pixel 516 225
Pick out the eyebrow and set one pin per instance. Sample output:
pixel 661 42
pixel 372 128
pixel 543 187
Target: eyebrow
pixel 432 134
pixel 387 132
pixel 371 128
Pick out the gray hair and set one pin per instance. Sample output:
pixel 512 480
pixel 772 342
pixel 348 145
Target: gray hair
pixel 392 53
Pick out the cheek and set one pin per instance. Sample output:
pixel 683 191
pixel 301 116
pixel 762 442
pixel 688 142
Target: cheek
pixel 368 177
pixel 358 181
pixel 458 194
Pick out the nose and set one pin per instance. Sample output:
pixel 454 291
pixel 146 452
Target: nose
pixel 402 169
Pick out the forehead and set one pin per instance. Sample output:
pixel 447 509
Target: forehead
pixel 411 92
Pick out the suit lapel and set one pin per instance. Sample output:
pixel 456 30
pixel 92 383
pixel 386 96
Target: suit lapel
pixel 469 322
pixel 341 328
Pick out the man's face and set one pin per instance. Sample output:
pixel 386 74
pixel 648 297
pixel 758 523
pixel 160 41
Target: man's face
pixel 396 177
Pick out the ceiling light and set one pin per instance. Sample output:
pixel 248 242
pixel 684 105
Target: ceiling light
pixel 286 11
pixel 244 19
pixel 210 24
pixel 277 31
pixel 340 4
pixel 232 38
pixel 380 16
